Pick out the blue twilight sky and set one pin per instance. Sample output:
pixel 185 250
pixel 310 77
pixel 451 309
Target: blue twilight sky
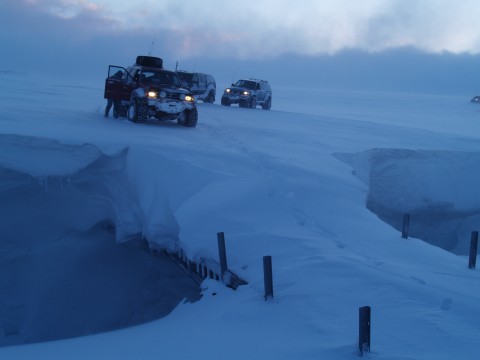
pixel 407 44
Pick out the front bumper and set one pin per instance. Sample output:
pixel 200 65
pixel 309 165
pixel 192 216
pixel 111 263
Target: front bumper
pixel 170 106
pixel 235 99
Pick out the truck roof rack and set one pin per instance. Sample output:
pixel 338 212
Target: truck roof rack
pixel 149 61
pixel 258 80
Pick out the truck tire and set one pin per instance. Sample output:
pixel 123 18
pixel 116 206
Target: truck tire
pixel 138 110
pixel 267 105
pixel 225 101
pixel 210 98
pixel 122 111
pixel 191 117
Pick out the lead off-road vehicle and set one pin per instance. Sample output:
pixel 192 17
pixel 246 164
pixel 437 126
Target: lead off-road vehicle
pixel 249 93
pixel 202 86
pixel 146 90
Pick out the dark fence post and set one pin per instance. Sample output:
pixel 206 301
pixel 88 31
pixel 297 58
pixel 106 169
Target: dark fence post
pixel 364 329
pixel 222 253
pixel 406 225
pixel 473 250
pixel 268 276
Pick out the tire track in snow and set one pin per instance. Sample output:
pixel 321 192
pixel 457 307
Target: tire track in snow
pixel 280 184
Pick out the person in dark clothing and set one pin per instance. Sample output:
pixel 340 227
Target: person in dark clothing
pixel 116 104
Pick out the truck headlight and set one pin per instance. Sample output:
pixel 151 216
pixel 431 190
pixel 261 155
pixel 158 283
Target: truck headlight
pixel 189 98
pixel 228 91
pixel 152 94
pixel 246 93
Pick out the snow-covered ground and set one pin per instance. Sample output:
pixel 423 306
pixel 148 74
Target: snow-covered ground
pixel 313 183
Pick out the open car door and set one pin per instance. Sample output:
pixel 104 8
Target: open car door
pixel 118 84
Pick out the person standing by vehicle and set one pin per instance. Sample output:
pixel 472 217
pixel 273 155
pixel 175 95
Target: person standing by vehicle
pixel 118 76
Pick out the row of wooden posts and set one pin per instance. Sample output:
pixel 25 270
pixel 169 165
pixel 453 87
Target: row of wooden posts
pixel 472 259
pixel 267 265
pixel 364 311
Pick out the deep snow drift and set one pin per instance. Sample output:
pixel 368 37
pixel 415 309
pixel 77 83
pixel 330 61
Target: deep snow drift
pixel 436 188
pixel 297 183
pixel 60 218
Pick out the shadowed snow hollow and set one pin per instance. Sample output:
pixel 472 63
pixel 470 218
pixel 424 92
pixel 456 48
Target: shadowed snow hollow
pixel 443 200
pixel 71 260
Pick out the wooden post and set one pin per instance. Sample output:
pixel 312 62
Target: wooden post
pixel 406 226
pixel 473 250
pixel 364 329
pixel 222 253
pixel 268 276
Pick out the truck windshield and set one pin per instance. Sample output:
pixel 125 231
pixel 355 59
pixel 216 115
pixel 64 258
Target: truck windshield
pixel 246 84
pixel 185 76
pixel 159 78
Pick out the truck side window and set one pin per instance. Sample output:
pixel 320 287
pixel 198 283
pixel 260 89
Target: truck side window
pixel 202 81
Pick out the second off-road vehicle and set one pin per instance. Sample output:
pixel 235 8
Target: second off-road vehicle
pixel 146 90
pixel 249 93
pixel 202 86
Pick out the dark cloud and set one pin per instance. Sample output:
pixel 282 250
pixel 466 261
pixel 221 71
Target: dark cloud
pixel 36 41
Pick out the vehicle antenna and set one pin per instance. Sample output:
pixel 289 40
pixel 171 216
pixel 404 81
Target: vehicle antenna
pixel 176 66
pixel 151 46
pixel 234 74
